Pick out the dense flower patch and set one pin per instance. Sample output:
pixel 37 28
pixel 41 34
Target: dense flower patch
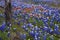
pixel 39 22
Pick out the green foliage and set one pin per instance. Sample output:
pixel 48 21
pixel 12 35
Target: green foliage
pixel 3 35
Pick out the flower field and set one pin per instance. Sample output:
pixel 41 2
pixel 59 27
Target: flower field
pixel 30 22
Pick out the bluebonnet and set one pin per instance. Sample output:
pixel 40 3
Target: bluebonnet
pixel 59 19
pixel 26 29
pixel 46 24
pixel 36 34
pixel 45 37
pixel 32 33
pixel 58 10
pixel 46 14
pixel 8 34
pixel 45 28
pixel 3 26
pixel 45 6
pixel 35 38
pixel 14 5
pixel 51 24
pixel 52 19
pixel 56 29
pixel 51 31
pixel 36 28
pixel 23 26
pixel 56 13
pixel 23 36
pixel 18 22
pixel 50 14
pixel 45 20
pixel 23 6
pixel 30 25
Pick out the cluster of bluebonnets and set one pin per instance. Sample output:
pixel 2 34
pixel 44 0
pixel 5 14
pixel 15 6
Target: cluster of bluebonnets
pixel 38 21
pixel 49 16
